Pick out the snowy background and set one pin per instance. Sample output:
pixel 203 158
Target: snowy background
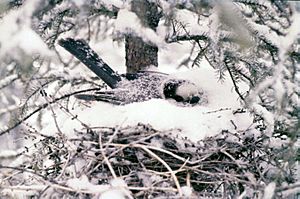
pixel 221 108
pixel 196 122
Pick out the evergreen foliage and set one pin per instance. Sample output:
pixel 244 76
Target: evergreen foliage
pixel 251 42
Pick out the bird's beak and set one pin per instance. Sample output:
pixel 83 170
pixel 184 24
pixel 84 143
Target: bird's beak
pixel 194 100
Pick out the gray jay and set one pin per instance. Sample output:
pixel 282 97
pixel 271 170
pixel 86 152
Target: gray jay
pixel 128 88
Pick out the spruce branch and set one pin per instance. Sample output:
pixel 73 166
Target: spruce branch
pixel 43 106
pixel 236 88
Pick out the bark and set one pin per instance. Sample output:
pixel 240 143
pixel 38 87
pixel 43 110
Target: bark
pixel 140 54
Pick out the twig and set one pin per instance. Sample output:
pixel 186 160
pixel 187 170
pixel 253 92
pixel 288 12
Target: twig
pixel 64 167
pixel 188 179
pixel 200 46
pixel 43 106
pixel 230 156
pixel 160 150
pixel 65 188
pixel 167 167
pixel 288 187
pixel 152 188
pixel 186 37
pixel 106 159
pixel 219 110
pixel 116 131
pixel 53 115
pixel 236 88
pixel 120 149
pixel 22 170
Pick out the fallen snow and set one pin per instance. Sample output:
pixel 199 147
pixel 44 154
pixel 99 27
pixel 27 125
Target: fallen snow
pixel 128 22
pixel 213 115
pixel 187 191
pixel 117 188
pixel 15 27
pixel 194 122
pixel 269 191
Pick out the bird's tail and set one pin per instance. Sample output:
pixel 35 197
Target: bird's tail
pixel 82 51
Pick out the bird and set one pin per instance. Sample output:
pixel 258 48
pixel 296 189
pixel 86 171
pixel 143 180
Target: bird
pixel 130 87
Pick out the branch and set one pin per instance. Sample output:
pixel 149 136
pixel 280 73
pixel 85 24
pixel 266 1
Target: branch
pixel 43 106
pixel 167 167
pixel 186 37
pixel 236 88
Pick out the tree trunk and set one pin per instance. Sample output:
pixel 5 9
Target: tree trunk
pixel 139 54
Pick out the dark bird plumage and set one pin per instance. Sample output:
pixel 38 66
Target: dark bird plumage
pixel 128 88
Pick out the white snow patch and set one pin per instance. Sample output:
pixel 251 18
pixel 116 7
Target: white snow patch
pixel 16 32
pixel 268 117
pixel 48 163
pixel 269 191
pixel 115 194
pixel 195 122
pixel 118 190
pixel 83 184
pixel 116 3
pixel 187 191
pixel 7 80
pixel 128 22
pixel 22 191
pixel 78 2
pixel 8 154
pixel 79 183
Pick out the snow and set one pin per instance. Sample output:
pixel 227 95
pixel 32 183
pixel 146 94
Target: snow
pixel 128 22
pixel 15 27
pixel 194 122
pixel 7 80
pixel 213 115
pixel 187 191
pixel 267 116
pixel 22 191
pixel 120 191
pixel 117 188
pixel 116 194
pixel 269 191
pixel 208 118
pixel 277 80
pixel 79 2
pixel 48 163
pixel 116 3
pixel 8 153
pixel 77 183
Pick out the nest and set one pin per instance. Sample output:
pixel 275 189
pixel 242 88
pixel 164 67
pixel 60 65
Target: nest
pixel 150 164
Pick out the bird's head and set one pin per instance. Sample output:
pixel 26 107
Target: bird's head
pixel 182 91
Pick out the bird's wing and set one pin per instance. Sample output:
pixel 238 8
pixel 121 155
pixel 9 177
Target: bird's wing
pixel 103 97
pixel 82 51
